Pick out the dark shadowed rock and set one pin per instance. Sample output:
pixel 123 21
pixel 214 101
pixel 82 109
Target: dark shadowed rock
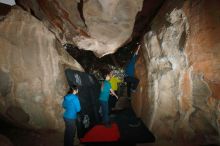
pixel 4 141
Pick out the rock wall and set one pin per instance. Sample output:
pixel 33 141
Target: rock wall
pixel 32 78
pixel 110 23
pixel 138 103
pixel 101 26
pixel 4 141
pixel 182 52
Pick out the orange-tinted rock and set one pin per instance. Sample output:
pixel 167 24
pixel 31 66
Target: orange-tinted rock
pixel 203 42
pixel 185 100
pixel 140 100
pixel 182 55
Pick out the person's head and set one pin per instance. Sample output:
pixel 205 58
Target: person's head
pixel 106 74
pixel 110 74
pixel 73 89
pixel 108 77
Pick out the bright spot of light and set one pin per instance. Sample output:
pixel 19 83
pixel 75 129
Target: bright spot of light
pixel 8 2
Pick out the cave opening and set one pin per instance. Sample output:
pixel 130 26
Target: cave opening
pixel 92 63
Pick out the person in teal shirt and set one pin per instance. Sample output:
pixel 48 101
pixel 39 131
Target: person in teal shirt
pixel 72 106
pixel 106 89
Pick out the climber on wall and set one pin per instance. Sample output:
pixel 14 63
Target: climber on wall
pixel 131 81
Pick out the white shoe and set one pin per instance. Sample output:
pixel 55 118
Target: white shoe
pixel 132 90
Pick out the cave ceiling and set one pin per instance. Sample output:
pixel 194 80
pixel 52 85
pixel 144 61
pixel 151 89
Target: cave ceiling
pixel 101 26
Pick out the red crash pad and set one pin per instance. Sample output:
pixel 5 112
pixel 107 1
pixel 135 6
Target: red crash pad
pixel 100 133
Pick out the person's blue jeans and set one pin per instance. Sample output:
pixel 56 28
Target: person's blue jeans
pixel 70 131
pixel 105 112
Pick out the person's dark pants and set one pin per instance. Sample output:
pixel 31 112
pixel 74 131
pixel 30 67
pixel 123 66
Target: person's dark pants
pixel 70 131
pixel 112 101
pixel 132 84
pixel 105 112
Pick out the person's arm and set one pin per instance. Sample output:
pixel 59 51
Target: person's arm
pixel 119 80
pixel 133 58
pixel 139 46
pixel 77 104
pixel 113 93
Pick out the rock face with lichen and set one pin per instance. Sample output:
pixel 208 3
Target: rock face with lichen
pixel 182 56
pixel 32 64
pixel 101 26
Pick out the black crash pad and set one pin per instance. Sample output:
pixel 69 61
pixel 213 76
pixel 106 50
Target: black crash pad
pixel 89 89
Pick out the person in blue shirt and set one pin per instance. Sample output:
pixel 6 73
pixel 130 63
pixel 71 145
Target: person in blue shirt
pixel 131 81
pixel 72 106
pixel 106 89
